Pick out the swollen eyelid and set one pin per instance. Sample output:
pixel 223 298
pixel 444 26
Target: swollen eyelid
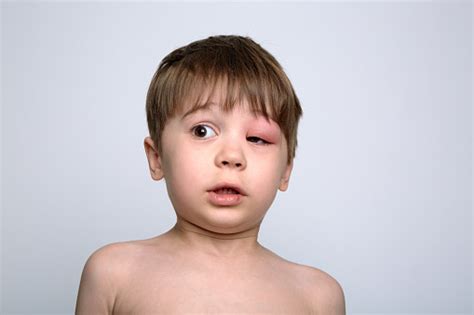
pixel 257 140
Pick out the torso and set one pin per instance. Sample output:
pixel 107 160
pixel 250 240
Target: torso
pixel 158 281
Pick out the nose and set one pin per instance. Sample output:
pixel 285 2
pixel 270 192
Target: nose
pixel 231 156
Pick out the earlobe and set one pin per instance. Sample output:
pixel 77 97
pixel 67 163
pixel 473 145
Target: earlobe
pixel 285 180
pixel 154 159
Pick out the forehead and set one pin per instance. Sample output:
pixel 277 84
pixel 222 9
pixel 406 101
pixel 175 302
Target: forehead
pixel 240 111
pixel 219 95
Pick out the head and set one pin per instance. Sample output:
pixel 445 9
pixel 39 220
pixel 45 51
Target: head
pixel 189 76
pixel 222 117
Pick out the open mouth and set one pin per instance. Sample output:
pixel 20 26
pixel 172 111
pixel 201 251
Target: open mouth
pixel 225 195
pixel 226 191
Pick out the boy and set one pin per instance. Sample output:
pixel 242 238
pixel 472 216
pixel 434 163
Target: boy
pixel 223 118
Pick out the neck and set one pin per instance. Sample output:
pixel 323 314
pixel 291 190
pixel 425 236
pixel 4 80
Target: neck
pixel 210 243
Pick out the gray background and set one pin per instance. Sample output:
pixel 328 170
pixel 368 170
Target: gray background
pixel 381 193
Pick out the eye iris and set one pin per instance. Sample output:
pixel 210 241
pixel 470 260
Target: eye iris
pixel 200 131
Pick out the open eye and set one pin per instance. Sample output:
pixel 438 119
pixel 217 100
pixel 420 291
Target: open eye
pixel 203 131
pixel 257 140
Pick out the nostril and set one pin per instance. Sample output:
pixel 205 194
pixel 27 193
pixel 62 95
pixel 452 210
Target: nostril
pixel 236 164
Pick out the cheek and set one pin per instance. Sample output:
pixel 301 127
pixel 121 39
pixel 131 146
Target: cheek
pixel 269 171
pixel 182 167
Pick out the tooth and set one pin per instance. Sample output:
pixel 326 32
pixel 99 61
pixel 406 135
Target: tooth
pixel 227 191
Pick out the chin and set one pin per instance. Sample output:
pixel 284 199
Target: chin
pixel 232 227
pixel 224 220
pixel 226 224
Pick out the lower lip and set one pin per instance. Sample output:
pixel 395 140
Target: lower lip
pixel 224 199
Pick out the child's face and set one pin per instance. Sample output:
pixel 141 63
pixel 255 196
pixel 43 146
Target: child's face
pixel 210 149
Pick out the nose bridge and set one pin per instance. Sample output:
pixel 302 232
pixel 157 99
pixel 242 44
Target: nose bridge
pixel 230 153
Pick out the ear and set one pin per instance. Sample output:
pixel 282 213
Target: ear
pixel 154 159
pixel 286 177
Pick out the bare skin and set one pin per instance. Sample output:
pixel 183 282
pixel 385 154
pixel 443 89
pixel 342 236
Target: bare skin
pixel 210 261
pixel 183 272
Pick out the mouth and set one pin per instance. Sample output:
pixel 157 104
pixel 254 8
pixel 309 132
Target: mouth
pixel 227 189
pixel 225 195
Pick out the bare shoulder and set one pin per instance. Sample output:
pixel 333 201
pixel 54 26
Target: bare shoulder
pixel 324 293
pixel 102 275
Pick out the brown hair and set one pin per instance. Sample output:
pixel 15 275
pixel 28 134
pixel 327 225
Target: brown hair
pixel 245 70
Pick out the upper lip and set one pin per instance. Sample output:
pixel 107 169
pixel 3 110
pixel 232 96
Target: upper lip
pixel 228 185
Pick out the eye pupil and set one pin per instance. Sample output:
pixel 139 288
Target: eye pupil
pixel 200 131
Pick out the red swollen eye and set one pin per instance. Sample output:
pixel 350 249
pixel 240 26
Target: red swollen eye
pixel 257 140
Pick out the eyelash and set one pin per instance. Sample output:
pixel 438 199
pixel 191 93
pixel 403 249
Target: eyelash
pixel 193 130
pixel 258 141
pixel 264 142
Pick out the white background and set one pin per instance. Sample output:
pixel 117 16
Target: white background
pixel 381 192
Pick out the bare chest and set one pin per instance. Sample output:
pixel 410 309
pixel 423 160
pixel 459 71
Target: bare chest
pixel 175 291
